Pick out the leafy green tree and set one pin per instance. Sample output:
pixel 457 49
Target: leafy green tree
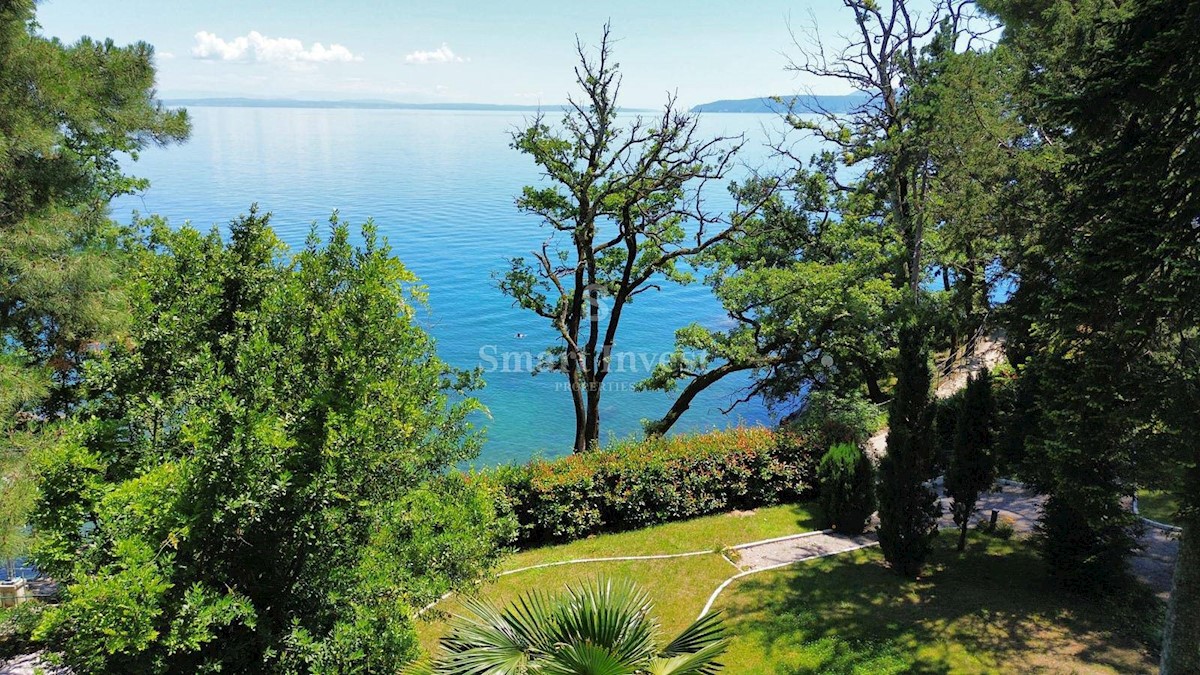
pixel 908 507
pixel 623 203
pixel 847 483
pixel 602 626
pixel 809 291
pixel 972 468
pixel 257 480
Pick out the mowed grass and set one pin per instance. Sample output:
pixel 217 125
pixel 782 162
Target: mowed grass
pixel 1158 505
pixel 678 586
pixel 710 533
pixel 991 610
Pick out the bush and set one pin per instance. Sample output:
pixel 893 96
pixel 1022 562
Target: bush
pixel 847 481
pixel 1005 528
pixel 636 484
pixel 1083 558
pixel 829 418
pixel 16 629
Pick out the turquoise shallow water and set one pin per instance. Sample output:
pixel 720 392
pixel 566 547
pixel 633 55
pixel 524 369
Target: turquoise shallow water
pixel 440 187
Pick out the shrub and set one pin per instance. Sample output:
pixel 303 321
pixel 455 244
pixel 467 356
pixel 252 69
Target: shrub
pixel 1081 557
pixel 1005 528
pixel 847 481
pixel 829 418
pixel 634 484
pixel 16 629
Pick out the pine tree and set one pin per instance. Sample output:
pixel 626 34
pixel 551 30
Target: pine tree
pixel 972 468
pixel 908 507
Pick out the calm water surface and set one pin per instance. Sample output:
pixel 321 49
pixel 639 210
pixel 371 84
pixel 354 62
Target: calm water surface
pixel 440 187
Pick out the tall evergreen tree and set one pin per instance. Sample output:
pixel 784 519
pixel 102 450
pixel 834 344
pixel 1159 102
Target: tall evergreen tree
pixel 1113 298
pixel 908 507
pixel 972 468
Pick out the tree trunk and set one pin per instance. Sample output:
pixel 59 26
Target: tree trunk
pixel 689 393
pixel 962 537
pixel 575 383
pixel 948 365
pixel 591 428
pixel 871 377
pixel 1181 635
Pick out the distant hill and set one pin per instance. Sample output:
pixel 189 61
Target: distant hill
pixel 833 104
pixel 368 104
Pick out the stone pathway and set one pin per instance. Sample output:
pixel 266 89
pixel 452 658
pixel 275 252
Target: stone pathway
pixel 29 665
pixel 773 554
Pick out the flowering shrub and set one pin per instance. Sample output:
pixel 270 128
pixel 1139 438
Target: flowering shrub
pixel 635 484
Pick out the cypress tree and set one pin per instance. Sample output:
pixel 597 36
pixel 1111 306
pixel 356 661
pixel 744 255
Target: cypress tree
pixel 847 481
pixel 908 507
pixel 971 469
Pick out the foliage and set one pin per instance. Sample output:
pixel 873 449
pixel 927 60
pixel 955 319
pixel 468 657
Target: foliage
pixel 946 410
pixel 67 113
pixel 257 480
pixel 660 479
pixel 623 203
pixel 972 470
pixel 908 508
pixel 602 626
pixel 17 624
pixel 1078 554
pixel 810 292
pixel 829 419
pixel 1107 313
pixel 847 480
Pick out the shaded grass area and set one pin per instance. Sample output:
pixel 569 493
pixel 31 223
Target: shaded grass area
pixel 679 588
pixel 710 533
pixel 1158 505
pixel 991 610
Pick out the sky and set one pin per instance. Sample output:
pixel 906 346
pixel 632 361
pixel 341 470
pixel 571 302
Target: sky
pixel 481 51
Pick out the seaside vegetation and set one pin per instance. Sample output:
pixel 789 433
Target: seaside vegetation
pixel 235 457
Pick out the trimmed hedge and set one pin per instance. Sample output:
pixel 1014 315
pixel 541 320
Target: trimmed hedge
pixel 636 484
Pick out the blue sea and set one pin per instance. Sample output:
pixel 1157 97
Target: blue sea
pixel 440 186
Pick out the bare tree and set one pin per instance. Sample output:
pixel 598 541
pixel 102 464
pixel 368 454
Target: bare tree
pixel 626 211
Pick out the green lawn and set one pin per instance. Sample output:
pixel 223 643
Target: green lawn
pixel 990 611
pixel 710 533
pixel 679 586
pixel 1158 505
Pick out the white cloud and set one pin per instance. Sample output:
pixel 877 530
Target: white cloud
pixel 255 46
pixel 167 56
pixel 442 54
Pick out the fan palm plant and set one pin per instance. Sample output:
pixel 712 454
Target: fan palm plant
pixel 602 627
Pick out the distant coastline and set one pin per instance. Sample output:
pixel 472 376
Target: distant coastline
pixel 357 104
pixel 768 105
pixel 803 103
